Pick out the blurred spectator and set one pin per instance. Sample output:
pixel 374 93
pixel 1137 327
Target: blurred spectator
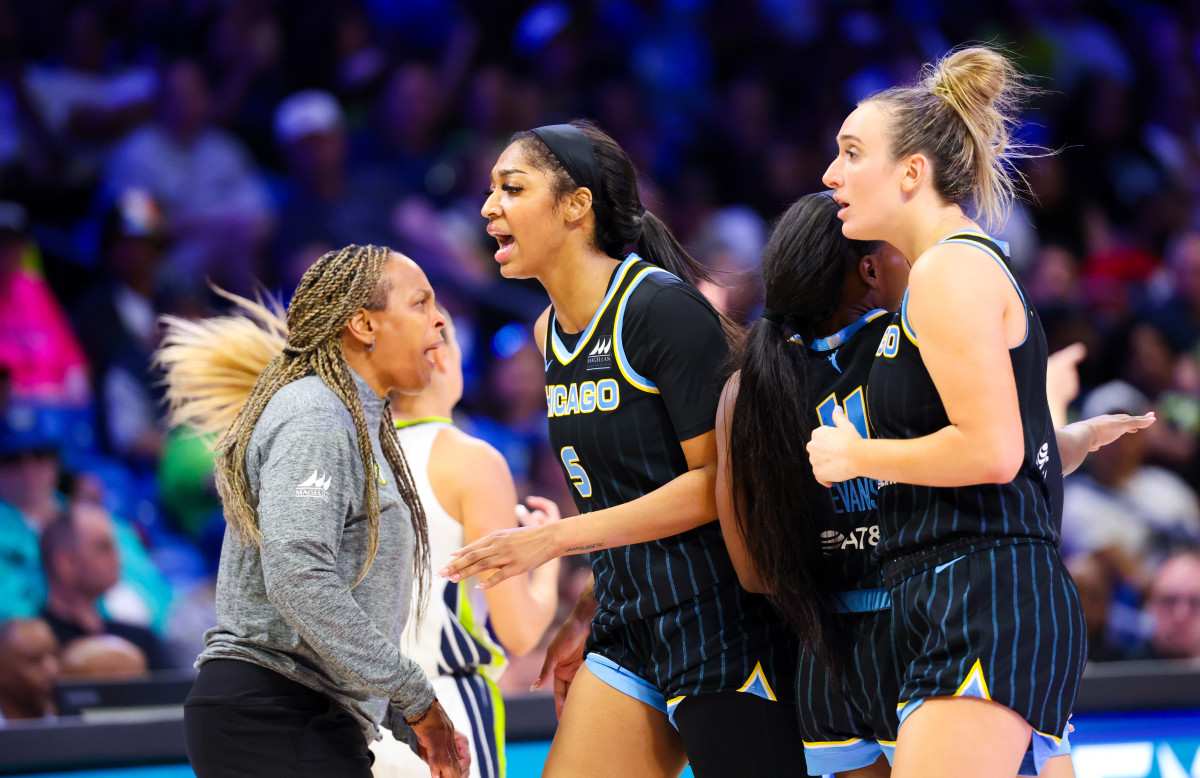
pixel 188 490
pixel 1174 603
pixel 513 402
pixel 243 52
pixel 730 243
pixel 5 386
pixel 214 197
pixel 1122 506
pixel 1053 280
pixel 1139 353
pixel 79 556
pixel 403 139
pixel 441 241
pixel 29 502
pixel 106 657
pixel 28 467
pixel 88 98
pixel 321 203
pixel 746 122
pixel 36 341
pixel 1176 307
pixel 28 669
pixel 116 321
pixel 1097 582
pixel 361 62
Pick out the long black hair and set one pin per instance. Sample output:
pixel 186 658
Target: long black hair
pixel 780 508
pixel 621 219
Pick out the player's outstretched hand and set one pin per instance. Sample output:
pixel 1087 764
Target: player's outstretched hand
pixel 564 656
pixel 445 750
pixel 1105 429
pixel 827 450
pixel 508 552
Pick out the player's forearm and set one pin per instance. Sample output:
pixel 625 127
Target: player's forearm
pixel 947 458
pixel 1074 443
pixel 681 504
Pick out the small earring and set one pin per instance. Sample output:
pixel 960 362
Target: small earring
pixel 371 346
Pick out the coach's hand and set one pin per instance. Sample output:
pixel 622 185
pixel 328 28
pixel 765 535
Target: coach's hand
pixel 827 450
pixel 442 748
pixel 508 552
pixel 565 653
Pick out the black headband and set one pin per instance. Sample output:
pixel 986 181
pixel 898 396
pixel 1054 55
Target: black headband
pixel 574 152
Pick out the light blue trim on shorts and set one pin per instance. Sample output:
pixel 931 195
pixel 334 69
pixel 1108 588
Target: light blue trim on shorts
pixel 827 758
pixel 625 682
pixel 1041 748
pixel 862 600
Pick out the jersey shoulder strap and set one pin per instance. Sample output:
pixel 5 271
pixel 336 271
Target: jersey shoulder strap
pixel 996 248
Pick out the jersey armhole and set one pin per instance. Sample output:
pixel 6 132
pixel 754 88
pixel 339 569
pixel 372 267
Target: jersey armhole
pixel 977 240
pixel 623 364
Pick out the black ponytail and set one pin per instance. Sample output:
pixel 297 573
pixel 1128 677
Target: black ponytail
pixel 780 507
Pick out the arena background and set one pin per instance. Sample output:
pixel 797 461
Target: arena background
pixel 148 147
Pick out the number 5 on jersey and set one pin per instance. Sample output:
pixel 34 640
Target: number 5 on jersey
pixel 575 471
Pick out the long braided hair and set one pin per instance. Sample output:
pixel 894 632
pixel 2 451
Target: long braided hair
pixel 209 366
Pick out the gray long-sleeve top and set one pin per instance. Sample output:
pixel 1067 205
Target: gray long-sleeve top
pixel 288 606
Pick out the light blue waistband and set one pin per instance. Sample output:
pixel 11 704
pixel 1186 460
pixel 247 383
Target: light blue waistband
pixel 863 600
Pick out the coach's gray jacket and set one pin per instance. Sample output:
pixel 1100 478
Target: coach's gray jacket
pixel 288 606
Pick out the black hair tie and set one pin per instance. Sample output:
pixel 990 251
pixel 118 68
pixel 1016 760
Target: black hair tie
pixel 775 317
pixel 639 219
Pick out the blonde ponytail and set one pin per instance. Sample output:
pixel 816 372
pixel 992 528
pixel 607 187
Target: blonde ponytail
pixel 211 365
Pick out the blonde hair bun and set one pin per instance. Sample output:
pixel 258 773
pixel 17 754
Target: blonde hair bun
pixel 974 80
pixel 962 114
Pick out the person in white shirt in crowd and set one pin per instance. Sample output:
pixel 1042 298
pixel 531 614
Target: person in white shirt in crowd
pixel 215 199
pixel 1132 512
pixel 86 101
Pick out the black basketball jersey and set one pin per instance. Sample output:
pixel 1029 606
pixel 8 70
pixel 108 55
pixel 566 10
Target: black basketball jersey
pixel 904 403
pixel 839 368
pixel 620 396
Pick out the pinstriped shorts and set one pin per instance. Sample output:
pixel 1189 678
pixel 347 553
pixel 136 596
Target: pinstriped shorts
pixel 1002 623
pixel 726 639
pixel 846 724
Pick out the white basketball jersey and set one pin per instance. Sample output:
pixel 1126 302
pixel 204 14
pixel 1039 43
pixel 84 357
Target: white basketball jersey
pixel 453 637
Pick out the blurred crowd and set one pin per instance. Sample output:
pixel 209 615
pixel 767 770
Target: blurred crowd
pixel 150 149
